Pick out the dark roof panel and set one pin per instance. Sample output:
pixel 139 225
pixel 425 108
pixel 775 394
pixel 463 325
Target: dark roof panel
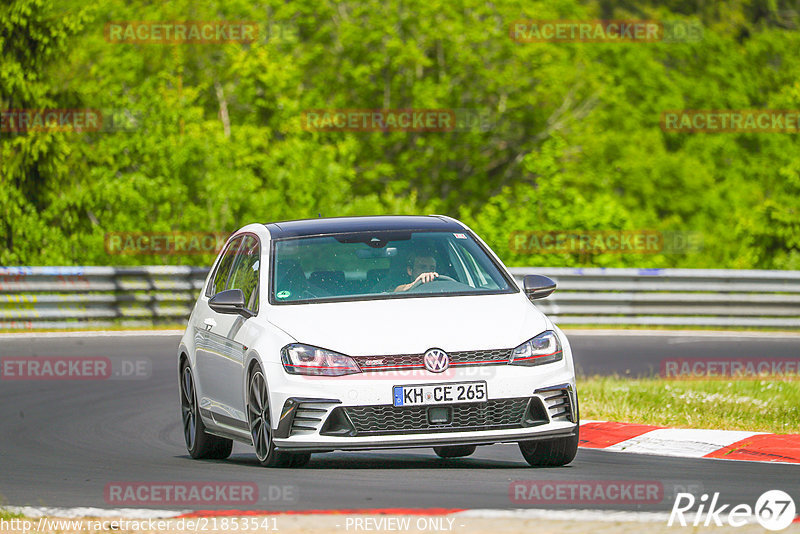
pixel 377 223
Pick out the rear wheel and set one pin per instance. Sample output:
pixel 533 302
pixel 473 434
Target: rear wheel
pixel 199 444
pixel 454 451
pixel 551 452
pixel 258 417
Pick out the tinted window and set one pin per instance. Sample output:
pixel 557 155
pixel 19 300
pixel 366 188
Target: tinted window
pixel 382 265
pixel 245 271
pixel 477 268
pixel 220 277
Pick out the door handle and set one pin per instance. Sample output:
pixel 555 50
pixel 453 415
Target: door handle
pixel 210 323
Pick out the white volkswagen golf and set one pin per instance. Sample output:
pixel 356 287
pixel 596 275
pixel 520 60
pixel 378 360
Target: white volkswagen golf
pixel 380 332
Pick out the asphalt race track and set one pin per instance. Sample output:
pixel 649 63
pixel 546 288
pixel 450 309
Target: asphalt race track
pixel 635 355
pixel 63 442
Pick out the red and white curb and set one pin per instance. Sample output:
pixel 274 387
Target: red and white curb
pixel 690 443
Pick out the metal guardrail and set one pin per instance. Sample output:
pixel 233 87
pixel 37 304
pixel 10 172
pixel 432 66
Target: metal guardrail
pixel 98 297
pixel 676 297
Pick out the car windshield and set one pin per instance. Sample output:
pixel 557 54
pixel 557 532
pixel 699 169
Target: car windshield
pixel 373 265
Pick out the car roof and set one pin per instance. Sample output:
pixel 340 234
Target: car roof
pixel 375 223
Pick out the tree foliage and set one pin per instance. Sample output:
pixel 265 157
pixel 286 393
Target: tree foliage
pixel 208 137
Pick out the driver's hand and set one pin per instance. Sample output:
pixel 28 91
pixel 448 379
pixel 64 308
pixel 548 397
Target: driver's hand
pixel 424 278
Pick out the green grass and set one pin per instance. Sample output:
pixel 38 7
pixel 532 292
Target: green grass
pixel 6 515
pixel 176 326
pixel 757 405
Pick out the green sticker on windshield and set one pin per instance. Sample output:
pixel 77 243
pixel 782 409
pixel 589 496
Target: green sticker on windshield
pixel 284 294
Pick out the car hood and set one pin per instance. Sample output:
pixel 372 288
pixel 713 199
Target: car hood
pixel 412 325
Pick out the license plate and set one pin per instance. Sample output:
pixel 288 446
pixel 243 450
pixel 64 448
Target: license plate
pixel 440 394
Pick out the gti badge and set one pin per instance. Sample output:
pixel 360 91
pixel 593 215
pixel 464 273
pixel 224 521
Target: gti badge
pixel 436 360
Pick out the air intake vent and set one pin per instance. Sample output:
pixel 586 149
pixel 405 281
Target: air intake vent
pixel 309 416
pixel 385 420
pixel 301 415
pixel 559 403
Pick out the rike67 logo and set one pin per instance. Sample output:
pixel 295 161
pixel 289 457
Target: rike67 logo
pixel 774 510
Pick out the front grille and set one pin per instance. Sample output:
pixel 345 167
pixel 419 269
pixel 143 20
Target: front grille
pixel 415 361
pixel 492 415
pixel 383 363
pixel 481 357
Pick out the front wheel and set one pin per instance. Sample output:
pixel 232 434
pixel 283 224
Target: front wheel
pixel 258 417
pixel 199 444
pixel 551 452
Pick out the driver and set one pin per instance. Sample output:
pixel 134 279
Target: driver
pixel 421 268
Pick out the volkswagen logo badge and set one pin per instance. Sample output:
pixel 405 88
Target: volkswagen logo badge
pixel 436 360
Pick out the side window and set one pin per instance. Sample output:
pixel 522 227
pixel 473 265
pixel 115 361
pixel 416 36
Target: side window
pixel 482 278
pixel 458 261
pixel 220 277
pixel 245 272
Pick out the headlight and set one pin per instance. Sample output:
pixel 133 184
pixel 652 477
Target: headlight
pixel 544 348
pixel 299 359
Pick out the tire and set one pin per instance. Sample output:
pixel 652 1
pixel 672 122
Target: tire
pixel 551 452
pixel 454 451
pixel 260 425
pixel 199 443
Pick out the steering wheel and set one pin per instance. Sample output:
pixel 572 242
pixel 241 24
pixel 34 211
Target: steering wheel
pixel 436 282
pixel 441 277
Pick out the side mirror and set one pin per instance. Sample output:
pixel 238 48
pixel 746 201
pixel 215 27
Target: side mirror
pixel 537 286
pixel 230 301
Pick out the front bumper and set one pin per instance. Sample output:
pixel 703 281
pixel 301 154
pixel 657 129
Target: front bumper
pixel 556 430
pixel 356 412
pixel 326 424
